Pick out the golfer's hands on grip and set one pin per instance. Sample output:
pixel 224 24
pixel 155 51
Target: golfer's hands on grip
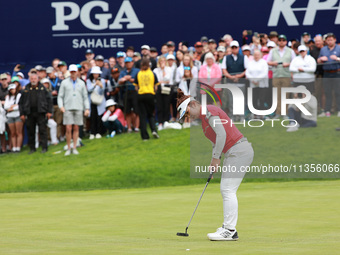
pixel 215 162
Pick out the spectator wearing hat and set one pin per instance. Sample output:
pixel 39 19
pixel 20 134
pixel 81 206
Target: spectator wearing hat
pixel 113 87
pixel 73 102
pixel 120 61
pixel 280 58
pixel 41 72
pixel 136 57
pixel 20 75
pixel 89 55
pixel 36 105
pixel 247 52
pixel 302 68
pixel 274 37
pixel 146 81
pixel 199 50
pixel 163 73
pixel 221 55
pixel 204 41
pixel 14 122
pixel 330 58
pixel 145 51
pixel 106 64
pixel 153 53
pixel 113 118
pixel 221 42
pixel 129 94
pixel 130 51
pixel 171 48
pixel 173 96
pixel 257 73
pixel 96 89
pixel 305 37
pixel 63 72
pixel 105 71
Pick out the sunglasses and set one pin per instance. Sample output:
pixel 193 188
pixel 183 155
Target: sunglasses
pixel 234 47
pixel 282 40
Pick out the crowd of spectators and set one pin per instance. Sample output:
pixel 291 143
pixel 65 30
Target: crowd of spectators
pixel 119 94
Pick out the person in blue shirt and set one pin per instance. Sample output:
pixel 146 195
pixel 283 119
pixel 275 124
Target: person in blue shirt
pixel 129 94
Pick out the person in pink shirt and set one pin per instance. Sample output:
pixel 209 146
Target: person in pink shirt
pixel 265 54
pixel 113 118
pixel 238 155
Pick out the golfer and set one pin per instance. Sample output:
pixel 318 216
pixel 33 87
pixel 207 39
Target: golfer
pixel 238 154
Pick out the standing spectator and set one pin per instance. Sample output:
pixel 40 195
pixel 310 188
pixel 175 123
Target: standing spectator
pixel 105 72
pixel 279 58
pixel 13 117
pixel 171 48
pixel 55 63
pixel 120 61
pixel 106 64
pixel 136 57
pixel 96 87
pixel 112 62
pixel 41 72
pixel 63 72
pixel 187 83
pixel 73 101
pixel 146 81
pixel 273 36
pixel 3 121
pixel 179 57
pixel 129 94
pixel 89 55
pixel 211 48
pixel 221 54
pixel 228 39
pixel 85 67
pixel 165 50
pixel 246 52
pixel 305 37
pixel 153 53
pixel 130 51
pixel 113 118
pixel 173 96
pixel 303 68
pixel 112 85
pixel 199 50
pixel 257 73
pixel 36 104
pixel 330 57
pixel 187 62
pixel 146 55
pixel 163 73
pixel 3 94
pixel 22 80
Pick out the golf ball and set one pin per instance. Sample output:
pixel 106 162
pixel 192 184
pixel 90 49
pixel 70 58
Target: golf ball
pixel 188 249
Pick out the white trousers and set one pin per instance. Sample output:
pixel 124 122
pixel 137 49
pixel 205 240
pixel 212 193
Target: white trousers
pixel 53 132
pixel 237 157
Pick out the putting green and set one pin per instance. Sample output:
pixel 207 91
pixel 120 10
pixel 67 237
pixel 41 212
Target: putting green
pixel 274 218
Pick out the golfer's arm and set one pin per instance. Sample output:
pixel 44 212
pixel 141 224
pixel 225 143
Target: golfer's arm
pixel 221 136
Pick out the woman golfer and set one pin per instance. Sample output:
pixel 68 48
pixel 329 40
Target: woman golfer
pixel 238 154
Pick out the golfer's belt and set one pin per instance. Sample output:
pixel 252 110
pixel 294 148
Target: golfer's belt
pixel 243 139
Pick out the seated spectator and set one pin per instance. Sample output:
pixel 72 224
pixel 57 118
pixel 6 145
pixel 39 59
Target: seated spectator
pixel 13 117
pixel 304 121
pixel 113 118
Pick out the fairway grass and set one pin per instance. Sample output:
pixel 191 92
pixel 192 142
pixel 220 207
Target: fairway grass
pixel 274 218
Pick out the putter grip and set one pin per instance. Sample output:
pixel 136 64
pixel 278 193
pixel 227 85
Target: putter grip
pixel 210 176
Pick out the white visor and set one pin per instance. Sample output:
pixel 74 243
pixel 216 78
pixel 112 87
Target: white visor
pixel 182 108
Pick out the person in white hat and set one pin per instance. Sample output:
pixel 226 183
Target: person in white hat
pixel 303 67
pixel 96 88
pixel 73 101
pixel 113 118
pixel 145 51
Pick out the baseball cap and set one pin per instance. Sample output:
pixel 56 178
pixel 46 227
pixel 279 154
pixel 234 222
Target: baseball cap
pixel 99 58
pixel 128 59
pixel 153 49
pixel 120 54
pixel 45 80
pixel 62 63
pixel 204 39
pixel 221 48
pixel 302 48
pixel 73 68
pixel 170 43
pixel 198 44
pixel 305 33
pixel 88 51
pixel 40 68
pixel 3 76
pixel 21 74
pixel 245 47
pixel 136 54
pixel 12 86
pixel 49 69
pixel 282 37
pixel 273 34
pixel 146 47
pixel 211 41
pixel 264 49
pixel 110 102
pixel 330 35
pixel 234 43
pixel 192 49
pixel 15 78
pixel 271 44
pixel 170 56
pixel 115 70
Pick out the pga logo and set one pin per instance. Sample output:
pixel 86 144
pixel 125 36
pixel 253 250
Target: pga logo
pixel 68 11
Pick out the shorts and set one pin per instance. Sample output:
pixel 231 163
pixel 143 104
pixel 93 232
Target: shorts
pixel 73 117
pixel 130 103
pixel 11 120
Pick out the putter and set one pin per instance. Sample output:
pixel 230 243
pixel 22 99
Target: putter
pixel 186 229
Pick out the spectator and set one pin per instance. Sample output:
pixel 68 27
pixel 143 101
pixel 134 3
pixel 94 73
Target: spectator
pixel 130 51
pixel 112 85
pixel 273 36
pixel 199 50
pixel 22 80
pixel 295 47
pixel 113 118
pixel 92 63
pixel 330 57
pixel 36 105
pixel 55 63
pixel 246 52
pixel 221 54
pixel 204 41
pixel 3 121
pixel 63 72
pixel 211 48
pixel 303 68
pixel 96 87
pixel 221 42
pixel 165 50
pixel 112 62
pixel 51 124
pixel 187 83
pixel 187 62
pixel 183 46
pixel 279 58
pixel 179 57
pixel 89 55
pixel 171 48
pixel 85 67
pixel 163 73
pixel 129 94
pixel 100 62
pixel 256 45
pixel 41 72
pixel 146 81
pixel 173 96
pixel 4 88
pixel 120 61
pixel 107 64
pixel 303 120
pixel 73 101
pixel 257 73
pixel 305 39
pixel 15 124
pixel 136 57
pixel 146 55
pixel 153 53
pixel 228 39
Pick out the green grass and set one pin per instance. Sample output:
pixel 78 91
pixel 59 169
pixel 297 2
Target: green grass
pixel 274 218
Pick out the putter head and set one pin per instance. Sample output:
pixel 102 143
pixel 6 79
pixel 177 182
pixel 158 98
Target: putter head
pixel 182 234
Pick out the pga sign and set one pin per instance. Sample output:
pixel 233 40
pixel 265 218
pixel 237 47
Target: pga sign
pixel 68 11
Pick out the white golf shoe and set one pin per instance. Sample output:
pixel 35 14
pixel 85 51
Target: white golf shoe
pixel 223 234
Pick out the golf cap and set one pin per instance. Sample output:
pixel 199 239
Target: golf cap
pixel 305 33
pixel 273 34
pixel 198 44
pixel 145 47
pixel 128 59
pixel 234 43
pixel 153 49
pixel 330 35
pixel 3 76
pixel 99 58
pixel 136 54
pixel 264 49
pixel 73 68
pixel 49 69
pixel 96 69
pixel 12 86
pixel 283 37
pixel 120 54
pixel 271 44
pixel 221 49
pixel 170 43
pixel 45 80
pixel 170 56
pixel 204 39
pixel 211 41
pixel 40 68
pixel 21 74
pixel 15 78
pixel 191 49
pixel 182 108
pixel 245 47
pixel 88 51
pixel 62 63
pixel 115 70
pixel 302 48
pixel 110 102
